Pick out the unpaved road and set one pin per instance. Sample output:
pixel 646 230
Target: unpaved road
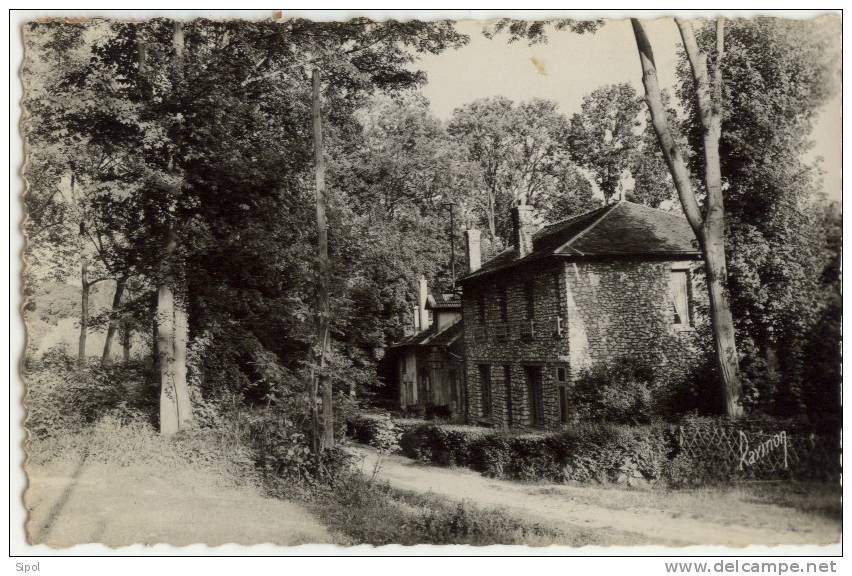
pixel 83 503
pixel 699 517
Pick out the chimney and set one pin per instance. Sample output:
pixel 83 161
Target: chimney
pixel 423 293
pixel 474 252
pixel 416 319
pixel 522 229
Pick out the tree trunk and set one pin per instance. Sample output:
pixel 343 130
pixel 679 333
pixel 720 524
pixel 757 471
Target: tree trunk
pixel 492 219
pixel 155 331
pixel 184 404
pixel 84 314
pixel 708 228
pixel 169 423
pixel 175 408
pixel 724 340
pixel 323 314
pixel 125 340
pixel 106 357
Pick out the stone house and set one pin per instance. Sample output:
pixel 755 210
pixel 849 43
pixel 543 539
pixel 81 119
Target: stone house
pixel 618 281
pixel 428 366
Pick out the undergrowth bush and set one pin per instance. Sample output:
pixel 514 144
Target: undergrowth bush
pixel 63 398
pixel 125 438
pixel 621 391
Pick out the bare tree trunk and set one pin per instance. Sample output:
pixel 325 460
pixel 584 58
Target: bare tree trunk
pixel 708 228
pixel 125 340
pixel 184 405
pixel 492 218
pixel 169 423
pixel 155 333
pixel 84 313
pixel 106 357
pixel 323 314
pixel 175 407
pixel 724 339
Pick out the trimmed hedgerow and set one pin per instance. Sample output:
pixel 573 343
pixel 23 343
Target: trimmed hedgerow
pixel 600 452
pixel 447 445
pixel 376 428
pixel 585 453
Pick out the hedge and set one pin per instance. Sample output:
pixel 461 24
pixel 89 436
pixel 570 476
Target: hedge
pixel 587 452
pixel 366 427
pixel 594 453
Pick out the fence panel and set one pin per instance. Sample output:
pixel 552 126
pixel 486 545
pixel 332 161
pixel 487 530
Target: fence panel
pixel 748 454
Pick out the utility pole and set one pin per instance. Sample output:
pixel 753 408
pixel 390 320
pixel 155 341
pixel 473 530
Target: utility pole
pixel 319 377
pixel 450 206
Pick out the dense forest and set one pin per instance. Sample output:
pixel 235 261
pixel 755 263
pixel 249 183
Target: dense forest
pixel 173 163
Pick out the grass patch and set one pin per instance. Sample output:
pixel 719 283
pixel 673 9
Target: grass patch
pixel 125 439
pixel 364 512
pixel 819 498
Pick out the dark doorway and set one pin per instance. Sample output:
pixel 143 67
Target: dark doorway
pixel 536 399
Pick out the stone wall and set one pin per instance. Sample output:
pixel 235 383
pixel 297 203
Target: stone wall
pixel 512 343
pixel 606 310
pixel 623 308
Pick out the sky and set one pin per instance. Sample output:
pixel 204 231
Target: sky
pixel 570 66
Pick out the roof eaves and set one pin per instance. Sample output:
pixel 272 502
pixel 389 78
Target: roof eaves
pixel 438 333
pixel 658 254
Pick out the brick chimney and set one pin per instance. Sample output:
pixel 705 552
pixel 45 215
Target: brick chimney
pixel 474 252
pixel 522 229
pixel 416 318
pixel 422 295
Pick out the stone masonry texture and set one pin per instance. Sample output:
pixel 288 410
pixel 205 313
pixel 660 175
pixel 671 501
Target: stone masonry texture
pixel 606 310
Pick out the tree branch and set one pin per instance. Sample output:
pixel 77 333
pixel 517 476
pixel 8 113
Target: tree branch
pixel 671 151
pixel 698 64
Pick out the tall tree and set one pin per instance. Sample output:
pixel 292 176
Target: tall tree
pixel 520 154
pixel 319 377
pixel 612 137
pixel 777 75
pixel 709 223
pixel 604 135
pixel 221 147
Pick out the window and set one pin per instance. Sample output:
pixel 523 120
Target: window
pixel 480 302
pixel 529 295
pixel 534 389
pixel 680 297
pixel 507 390
pixel 504 304
pixel 563 393
pixel 485 383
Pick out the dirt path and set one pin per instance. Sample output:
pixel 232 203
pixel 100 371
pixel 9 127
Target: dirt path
pixel 84 503
pixel 673 518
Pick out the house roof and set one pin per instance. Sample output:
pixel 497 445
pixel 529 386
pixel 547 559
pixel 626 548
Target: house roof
pixel 443 302
pixel 433 337
pixel 620 230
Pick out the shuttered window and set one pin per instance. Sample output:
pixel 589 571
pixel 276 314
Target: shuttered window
pixel 679 293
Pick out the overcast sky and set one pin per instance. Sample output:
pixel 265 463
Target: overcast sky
pixel 570 66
